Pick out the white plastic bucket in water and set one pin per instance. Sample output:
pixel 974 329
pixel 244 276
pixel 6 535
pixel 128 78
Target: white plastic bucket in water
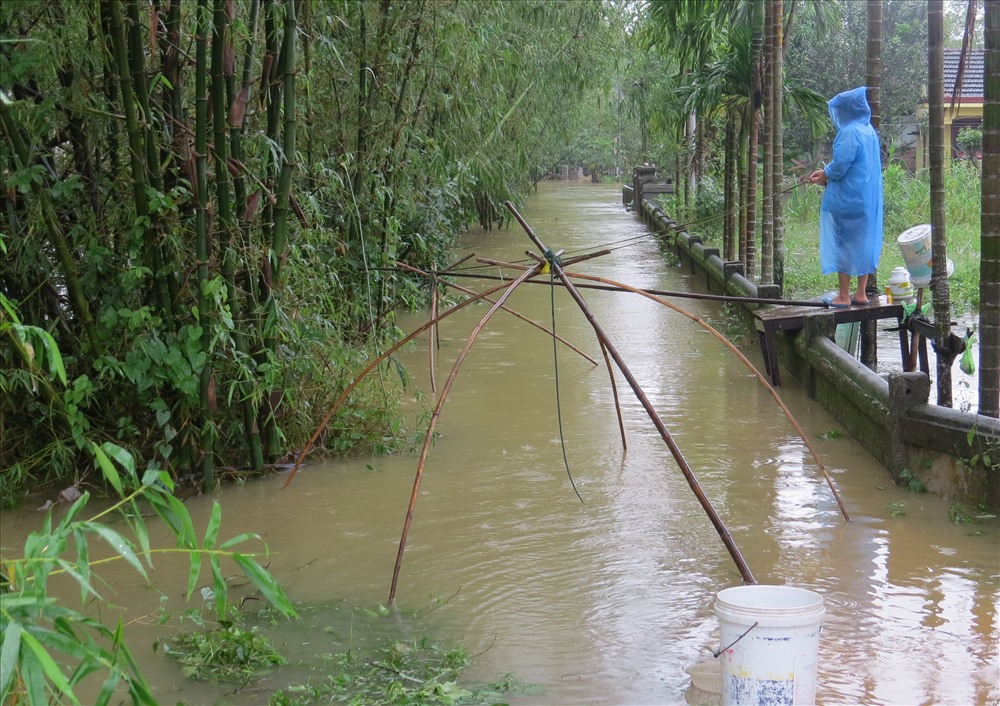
pixel 769 637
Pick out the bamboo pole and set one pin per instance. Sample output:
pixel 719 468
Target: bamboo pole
pixel 429 436
pixel 614 392
pixel 727 538
pixel 658 292
pixel 466 290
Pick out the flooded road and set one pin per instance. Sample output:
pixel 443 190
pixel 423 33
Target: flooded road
pixel 609 600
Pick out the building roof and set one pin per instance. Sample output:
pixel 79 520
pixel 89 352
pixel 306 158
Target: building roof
pixel 972 79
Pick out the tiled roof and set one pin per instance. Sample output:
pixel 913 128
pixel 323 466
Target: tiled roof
pixel 972 80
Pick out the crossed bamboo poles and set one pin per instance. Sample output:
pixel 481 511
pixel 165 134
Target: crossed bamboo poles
pixel 553 262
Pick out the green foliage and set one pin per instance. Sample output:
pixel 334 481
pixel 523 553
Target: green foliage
pixel 989 455
pixel 907 203
pixel 203 325
pixel 907 477
pixel 50 649
pixel 830 55
pixel 896 508
pixel 229 652
pixel 970 139
pixel 959 515
pixel 412 673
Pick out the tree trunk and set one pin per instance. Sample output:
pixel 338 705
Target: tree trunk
pixel 749 256
pixel 767 202
pixel 939 279
pixel 989 264
pixel 777 144
pixel 729 190
pixel 873 79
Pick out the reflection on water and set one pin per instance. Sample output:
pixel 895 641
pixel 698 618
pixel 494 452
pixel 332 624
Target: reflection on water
pixel 608 601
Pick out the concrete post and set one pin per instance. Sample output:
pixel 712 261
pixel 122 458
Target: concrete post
pixel 906 391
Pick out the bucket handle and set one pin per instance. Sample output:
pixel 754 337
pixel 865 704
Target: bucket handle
pixel 719 652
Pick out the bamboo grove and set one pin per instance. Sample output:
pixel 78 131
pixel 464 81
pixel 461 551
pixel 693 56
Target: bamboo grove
pixel 203 200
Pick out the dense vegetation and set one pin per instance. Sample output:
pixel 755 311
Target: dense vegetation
pixel 204 203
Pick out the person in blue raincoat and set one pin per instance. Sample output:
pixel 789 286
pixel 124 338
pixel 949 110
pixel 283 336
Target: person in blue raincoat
pixel 850 221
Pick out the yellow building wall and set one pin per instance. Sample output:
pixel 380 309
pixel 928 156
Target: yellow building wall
pixel 962 111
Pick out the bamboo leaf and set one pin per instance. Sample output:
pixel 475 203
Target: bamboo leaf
pixel 49 667
pixel 219 587
pixel 193 573
pixel 108 687
pixel 87 667
pixel 150 477
pixel 83 564
pixel 212 533
pixel 239 539
pixel 138 689
pixel 119 544
pixel 8 657
pixel 141 534
pixel 83 582
pixel 184 528
pixel 124 458
pixel 52 354
pixel 33 678
pixel 107 468
pixel 266 584
pixel 74 510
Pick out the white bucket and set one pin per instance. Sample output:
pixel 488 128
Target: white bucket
pixel 769 637
pixel 915 244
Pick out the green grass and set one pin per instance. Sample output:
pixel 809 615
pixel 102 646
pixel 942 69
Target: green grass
pixel 907 204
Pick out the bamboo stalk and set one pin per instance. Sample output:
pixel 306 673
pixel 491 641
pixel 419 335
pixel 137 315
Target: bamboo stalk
pixel 221 91
pixel 165 281
pixel 371 366
pixel 55 231
pixel 204 27
pixel 435 415
pixel 279 240
pixel 614 392
pixel 133 129
pixel 466 290
pixel 727 538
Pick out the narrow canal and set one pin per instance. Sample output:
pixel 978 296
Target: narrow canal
pixel 609 600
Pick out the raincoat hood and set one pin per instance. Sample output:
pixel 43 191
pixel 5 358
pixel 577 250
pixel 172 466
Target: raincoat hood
pixel 850 106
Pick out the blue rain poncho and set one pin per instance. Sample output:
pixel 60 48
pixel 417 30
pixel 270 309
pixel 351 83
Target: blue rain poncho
pixel 850 223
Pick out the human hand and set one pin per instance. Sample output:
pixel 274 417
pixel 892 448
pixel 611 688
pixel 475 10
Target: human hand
pixel 818 177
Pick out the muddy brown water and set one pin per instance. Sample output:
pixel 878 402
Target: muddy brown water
pixel 609 600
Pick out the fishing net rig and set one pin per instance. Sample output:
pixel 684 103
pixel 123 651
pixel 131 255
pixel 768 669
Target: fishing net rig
pixel 552 264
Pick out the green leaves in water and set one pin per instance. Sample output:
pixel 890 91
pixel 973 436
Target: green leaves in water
pixel 412 673
pixel 227 653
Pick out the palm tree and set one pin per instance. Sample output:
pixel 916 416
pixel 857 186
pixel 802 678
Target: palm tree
pixel 989 266
pixel 777 154
pixel 939 281
pixel 873 78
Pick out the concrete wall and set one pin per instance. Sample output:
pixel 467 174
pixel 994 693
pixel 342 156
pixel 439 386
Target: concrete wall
pixel 888 415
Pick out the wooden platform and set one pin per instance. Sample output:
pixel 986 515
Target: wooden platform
pixel 792 318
